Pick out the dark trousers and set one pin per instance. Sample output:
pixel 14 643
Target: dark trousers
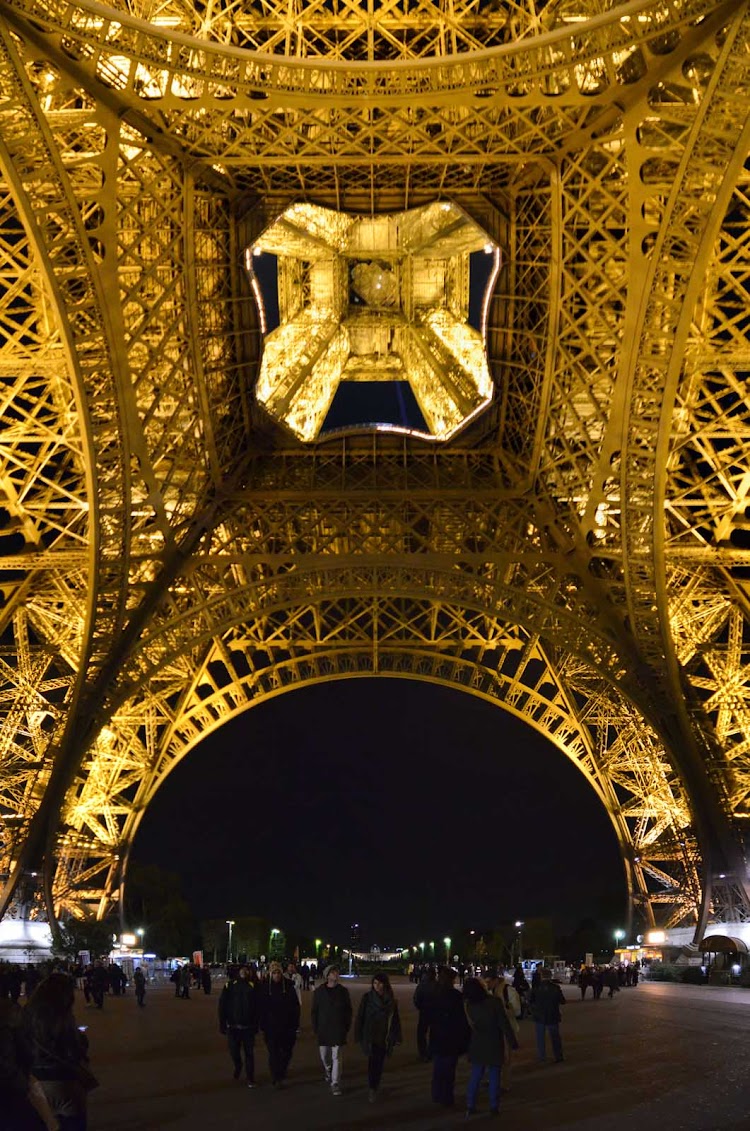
pixel 279 1054
pixel 98 995
pixel 554 1036
pixel 423 1026
pixel 375 1063
pixel 237 1041
pixel 140 997
pixel 185 992
pixel 443 1079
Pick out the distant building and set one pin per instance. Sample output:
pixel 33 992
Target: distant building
pixel 355 937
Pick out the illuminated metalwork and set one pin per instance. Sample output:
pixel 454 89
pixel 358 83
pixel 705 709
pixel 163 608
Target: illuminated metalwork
pixel 375 298
pixel 578 553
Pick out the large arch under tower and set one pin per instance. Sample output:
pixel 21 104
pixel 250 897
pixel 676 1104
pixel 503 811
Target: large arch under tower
pixel 578 553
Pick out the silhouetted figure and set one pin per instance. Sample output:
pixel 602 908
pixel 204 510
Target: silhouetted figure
pixel 377 1029
pixel 238 1020
pixel 279 1020
pixel 449 1036
pixel 545 1003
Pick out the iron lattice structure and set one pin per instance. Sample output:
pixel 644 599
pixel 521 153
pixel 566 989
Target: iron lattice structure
pixel 579 554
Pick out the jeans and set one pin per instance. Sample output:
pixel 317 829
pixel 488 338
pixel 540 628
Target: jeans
pixel 554 1036
pixel 375 1063
pixel 332 1057
pixel 443 1079
pixel 477 1072
pixel 239 1040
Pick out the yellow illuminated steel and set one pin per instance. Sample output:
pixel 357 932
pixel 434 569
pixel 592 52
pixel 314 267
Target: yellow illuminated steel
pixel 374 298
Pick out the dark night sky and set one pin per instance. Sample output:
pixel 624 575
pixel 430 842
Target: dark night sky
pixel 412 808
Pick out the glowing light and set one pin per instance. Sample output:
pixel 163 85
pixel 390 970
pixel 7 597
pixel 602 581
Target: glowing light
pixel 656 938
pixel 374 298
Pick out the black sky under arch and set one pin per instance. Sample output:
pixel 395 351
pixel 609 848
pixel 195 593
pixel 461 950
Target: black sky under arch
pixel 397 803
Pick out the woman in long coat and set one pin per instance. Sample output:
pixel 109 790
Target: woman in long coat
pixel 378 1029
pixel 490 1028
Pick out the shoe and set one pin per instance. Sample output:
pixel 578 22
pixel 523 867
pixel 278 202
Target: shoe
pixel 470 1111
pixel 559 1059
pixel 236 1074
pixel 372 1095
pixel 251 1084
pixel 335 1089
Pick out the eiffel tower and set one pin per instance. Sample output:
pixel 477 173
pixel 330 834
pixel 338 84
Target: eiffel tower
pixel 565 530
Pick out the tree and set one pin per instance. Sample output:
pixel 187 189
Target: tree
pixel 154 902
pixel 76 935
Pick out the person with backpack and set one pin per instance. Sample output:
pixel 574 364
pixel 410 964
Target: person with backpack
pixel 545 1004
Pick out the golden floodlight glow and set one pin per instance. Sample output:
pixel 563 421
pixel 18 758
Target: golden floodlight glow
pixel 374 298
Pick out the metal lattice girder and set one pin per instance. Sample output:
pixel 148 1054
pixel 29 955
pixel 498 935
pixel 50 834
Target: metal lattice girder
pixel 376 635
pixel 598 507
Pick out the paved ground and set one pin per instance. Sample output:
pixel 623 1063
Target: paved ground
pixel 655 1058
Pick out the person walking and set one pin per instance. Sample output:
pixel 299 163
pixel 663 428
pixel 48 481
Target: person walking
pixel 279 1021
pixel 99 983
pixel 449 1036
pixel 422 999
pixel 185 982
pixel 499 988
pixel 377 1029
pixel 206 979
pixel 139 981
pixel 545 1011
pixel 490 1029
pixel 59 1050
pixel 331 1017
pixel 238 1021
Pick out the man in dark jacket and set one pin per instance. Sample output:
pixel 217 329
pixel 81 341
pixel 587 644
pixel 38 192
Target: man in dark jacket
pixel 238 1020
pixel 422 1000
pixel 331 1017
pixel 279 1020
pixel 545 1010
pixel 449 1036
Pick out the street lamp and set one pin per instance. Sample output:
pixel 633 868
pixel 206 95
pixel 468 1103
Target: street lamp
pixel 230 924
pixel 619 936
pixel 140 932
pixel 447 942
pixel 317 949
pixel 421 947
pixel 519 926
pixel 432 948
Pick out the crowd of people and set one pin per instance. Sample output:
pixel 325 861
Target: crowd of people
pixel 44 1073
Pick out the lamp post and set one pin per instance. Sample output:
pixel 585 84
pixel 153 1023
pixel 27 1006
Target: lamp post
pixel 447 942
pixel 140 932
pixel 432 948
pixel 230 924
pixel 421 947
pixel 619 936
pixel 519 926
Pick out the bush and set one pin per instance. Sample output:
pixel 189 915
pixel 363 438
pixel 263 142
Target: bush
pixel 693 976
pixel 658 972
